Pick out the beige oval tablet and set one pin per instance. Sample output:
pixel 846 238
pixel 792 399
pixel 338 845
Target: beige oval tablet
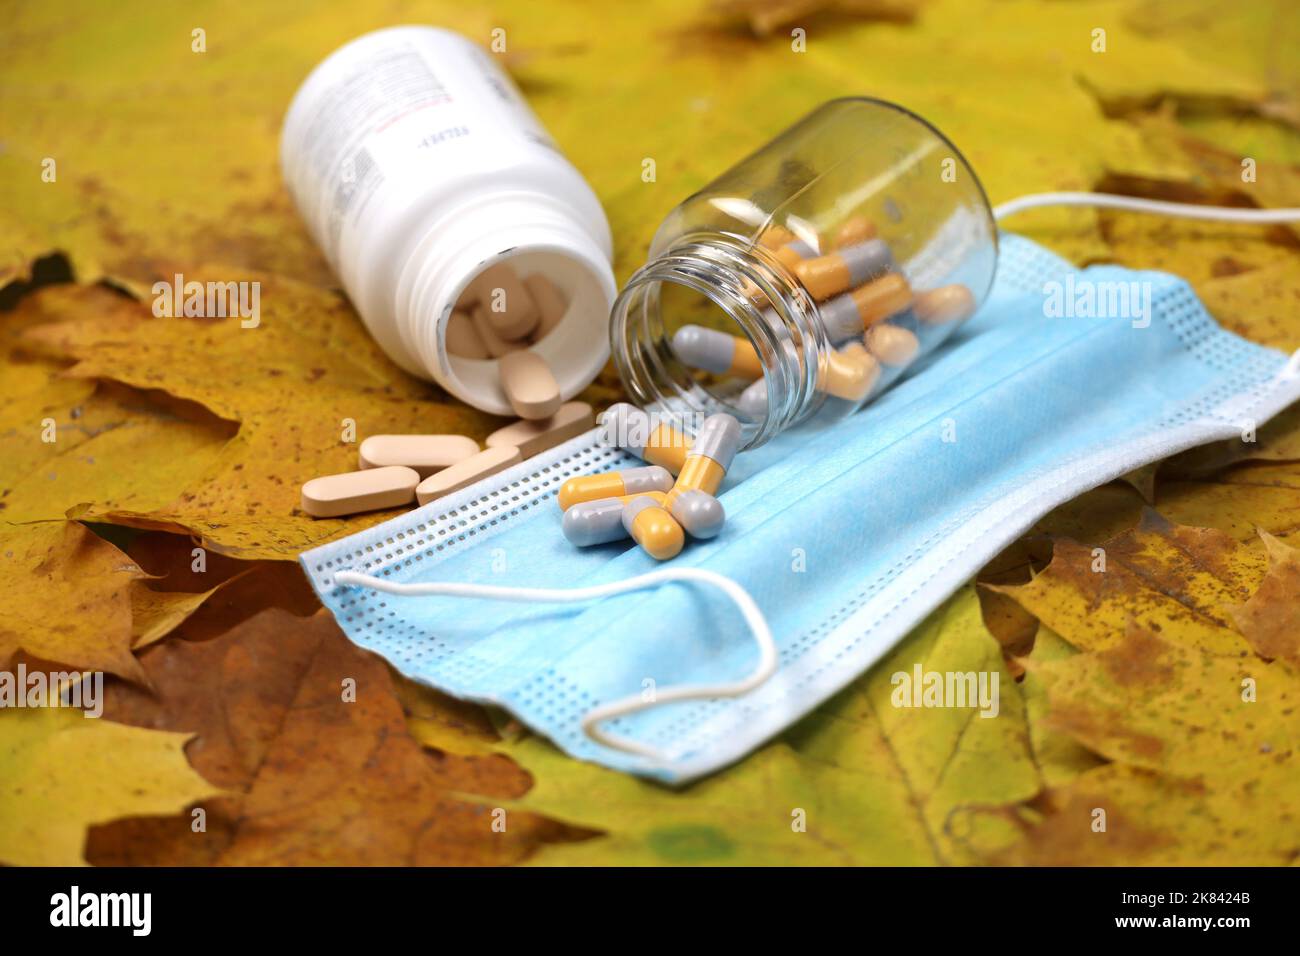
pixel 533 438
pixel 550 304
pixel 892 344
pixel 506 302
pixel 495 345
pixel 356 491
pixel 465 473
pixel 949 303
pixel 850 373
pixel 463 339
pixel 425 453
pixel 529 385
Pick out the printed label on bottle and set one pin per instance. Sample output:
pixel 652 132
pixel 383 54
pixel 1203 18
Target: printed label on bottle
pixel 432 106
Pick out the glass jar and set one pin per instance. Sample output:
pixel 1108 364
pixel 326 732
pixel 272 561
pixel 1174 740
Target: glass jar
pixel 807 278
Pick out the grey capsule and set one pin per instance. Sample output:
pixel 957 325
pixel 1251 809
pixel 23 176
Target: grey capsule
pixel 595 522
pixel 705 349
pixel 646 478
pixel 718 438
pixel 753 400
pixel 866 260
pixel 627 427
pixel 699 513
pixel 841 317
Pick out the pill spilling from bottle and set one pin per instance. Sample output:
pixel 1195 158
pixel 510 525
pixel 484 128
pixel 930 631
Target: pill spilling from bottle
pixel 395 471
pixel 873 319
pixel 662 503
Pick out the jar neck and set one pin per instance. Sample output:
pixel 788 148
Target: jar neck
pixel 760 295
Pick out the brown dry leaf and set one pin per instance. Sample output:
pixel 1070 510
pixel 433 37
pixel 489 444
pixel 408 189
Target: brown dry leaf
pixel 155 614
pixel 764 17
pixel 323 781
pixel 65 597
pixel 1205 750
pixel 1271 618
pixel 1165 577
pixel 1201 732
pixel 1095 515
pixel 1152 820
pixel 1277 440
pixel 293 384
pixel 444 723
pixel 1143 481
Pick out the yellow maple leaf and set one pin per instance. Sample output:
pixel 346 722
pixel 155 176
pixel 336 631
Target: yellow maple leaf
pixel 61 772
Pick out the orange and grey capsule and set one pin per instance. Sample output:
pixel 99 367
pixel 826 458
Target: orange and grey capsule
pixel 650 526
pixel 711 454
pixel 845 268
pixel 793 253
pixel 627 427
pixel 600 522
pixel 699 513
pixel 846 316
pixel 717 352
pixel 614 484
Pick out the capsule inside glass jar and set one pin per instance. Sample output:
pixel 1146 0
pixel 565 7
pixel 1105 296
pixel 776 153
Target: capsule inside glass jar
pixel 838 255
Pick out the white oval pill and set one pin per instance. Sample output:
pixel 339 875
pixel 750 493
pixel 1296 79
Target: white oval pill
pixel 425 453
pixel 465 473
pixel 533 438
pixel 355 491
pixel 529 385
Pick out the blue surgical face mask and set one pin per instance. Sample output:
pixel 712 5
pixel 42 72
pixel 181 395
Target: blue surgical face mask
pixel 846 536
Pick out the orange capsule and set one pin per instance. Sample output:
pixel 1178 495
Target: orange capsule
pixel 627 427
pixel 844 268
pixel 717 352
pixel 652 527
pixel 613 484
pixel 847 316
pixel 711 454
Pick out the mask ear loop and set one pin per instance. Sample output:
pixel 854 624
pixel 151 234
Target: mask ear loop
pixel 767 652
pixel 1159 207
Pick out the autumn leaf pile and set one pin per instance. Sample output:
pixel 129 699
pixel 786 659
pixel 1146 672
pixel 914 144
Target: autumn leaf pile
pixel 154 539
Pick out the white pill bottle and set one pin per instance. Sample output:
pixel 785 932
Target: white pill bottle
pixel 416 164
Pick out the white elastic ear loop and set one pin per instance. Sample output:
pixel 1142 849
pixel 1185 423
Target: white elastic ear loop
pixel 767 653
pixel 1181 210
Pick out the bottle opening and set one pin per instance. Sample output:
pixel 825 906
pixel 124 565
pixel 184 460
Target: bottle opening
pixel 714 327
pixel 570 336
